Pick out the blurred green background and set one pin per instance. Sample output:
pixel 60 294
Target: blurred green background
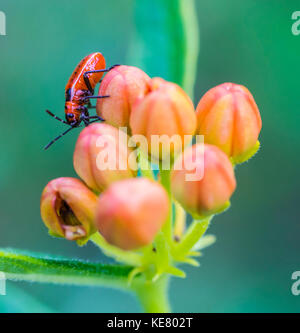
pixel 258 240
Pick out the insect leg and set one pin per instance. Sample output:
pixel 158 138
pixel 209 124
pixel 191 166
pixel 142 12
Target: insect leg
pixel 86 78
pixel 95 117
pixel 58 137
pixel 104 96
pixel 87 82
pixel 87 121
pixel 99 70
pixel 55 117
pixel 89 104
pixel 93 121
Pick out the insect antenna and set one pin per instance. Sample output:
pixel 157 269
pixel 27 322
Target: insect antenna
pixel 58 137
pixel 57 118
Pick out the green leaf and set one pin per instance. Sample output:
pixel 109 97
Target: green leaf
pixel 167 41
pixel 24 266
pixel 204 242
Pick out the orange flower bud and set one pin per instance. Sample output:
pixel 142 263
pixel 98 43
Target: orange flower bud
pixel 166 111
pixel 101 156
pixel 203 180
pixel 131 212
pixel 124 85
pixel 68 209
pixel 228 117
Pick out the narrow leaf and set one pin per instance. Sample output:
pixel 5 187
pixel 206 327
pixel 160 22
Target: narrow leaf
pixel 24 266
pixel 166 40
pixel 204 242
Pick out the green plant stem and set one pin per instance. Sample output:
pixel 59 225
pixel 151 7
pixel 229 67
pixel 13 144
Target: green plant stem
pixel 165 180
pixel 191 40
pixel 162 259
pixel 195 231
pixel 154 295
pixel 126 257
pixel 180 220
pixel 145 166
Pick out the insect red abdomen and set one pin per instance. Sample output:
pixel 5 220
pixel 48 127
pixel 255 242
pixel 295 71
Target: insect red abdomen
pixel 94 61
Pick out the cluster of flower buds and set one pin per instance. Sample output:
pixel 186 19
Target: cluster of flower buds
pixel 129 210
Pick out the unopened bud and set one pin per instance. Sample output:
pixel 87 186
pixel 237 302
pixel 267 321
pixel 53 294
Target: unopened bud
pixel 68 209
pixel 131 212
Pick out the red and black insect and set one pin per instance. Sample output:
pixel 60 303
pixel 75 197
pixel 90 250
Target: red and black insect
pixel 79 90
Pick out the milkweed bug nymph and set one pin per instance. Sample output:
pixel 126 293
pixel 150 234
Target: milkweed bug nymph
pixel 78 92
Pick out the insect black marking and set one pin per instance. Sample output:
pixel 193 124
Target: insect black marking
pixel 68 95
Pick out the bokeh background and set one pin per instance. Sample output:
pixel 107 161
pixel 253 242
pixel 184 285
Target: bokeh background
pixel 258 240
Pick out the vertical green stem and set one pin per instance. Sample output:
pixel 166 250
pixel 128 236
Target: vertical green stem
pixel 191 33
pixel 165 180
pixel 145 166
pixel 153 296
pixel 180 220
